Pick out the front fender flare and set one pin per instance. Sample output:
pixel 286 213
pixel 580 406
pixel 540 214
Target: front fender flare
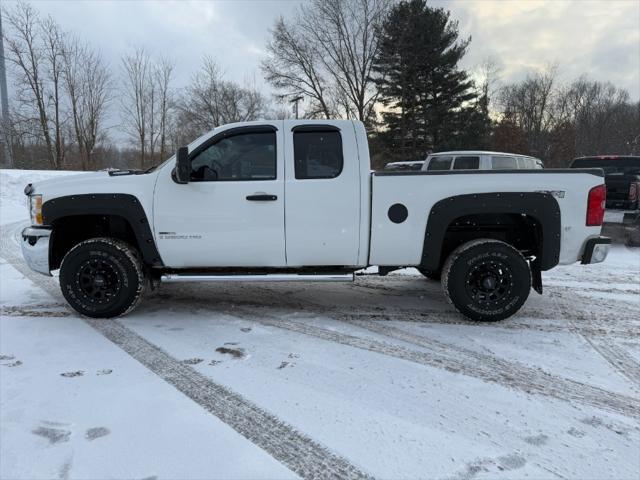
pixel 117 204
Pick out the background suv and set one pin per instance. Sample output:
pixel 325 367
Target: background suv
pixel 479 160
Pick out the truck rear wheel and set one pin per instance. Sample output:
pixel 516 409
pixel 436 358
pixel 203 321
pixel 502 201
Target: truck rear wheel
pixel 486 280
pixel 102 278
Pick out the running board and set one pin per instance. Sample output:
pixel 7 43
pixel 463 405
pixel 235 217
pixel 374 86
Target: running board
pixel 274 277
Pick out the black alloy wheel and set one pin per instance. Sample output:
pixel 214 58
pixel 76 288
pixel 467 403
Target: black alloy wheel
pixel 489 282
pixel 486 280
pixel 102 278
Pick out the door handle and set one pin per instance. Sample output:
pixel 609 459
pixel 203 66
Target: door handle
pixel 262 197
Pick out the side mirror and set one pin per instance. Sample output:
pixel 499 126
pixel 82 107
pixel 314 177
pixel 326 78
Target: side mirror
pixel 183 166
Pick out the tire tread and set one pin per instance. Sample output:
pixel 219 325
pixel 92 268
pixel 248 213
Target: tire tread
pixel 451 259
pixel 131 254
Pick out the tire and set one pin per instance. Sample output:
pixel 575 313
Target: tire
pixel 430 274
pixel 102 278
pixel 486 280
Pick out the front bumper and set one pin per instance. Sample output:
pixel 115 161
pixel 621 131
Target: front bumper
pixel 35 248
pixel 596 250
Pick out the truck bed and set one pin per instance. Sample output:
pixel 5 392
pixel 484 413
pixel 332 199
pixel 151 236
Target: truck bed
pixel 403 243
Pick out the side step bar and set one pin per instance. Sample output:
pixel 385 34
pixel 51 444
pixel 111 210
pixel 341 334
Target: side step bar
pixel 275 277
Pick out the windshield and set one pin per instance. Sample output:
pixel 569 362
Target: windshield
pixel 610 165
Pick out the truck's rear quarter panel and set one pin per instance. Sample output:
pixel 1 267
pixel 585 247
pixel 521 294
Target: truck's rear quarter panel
pixel 402 243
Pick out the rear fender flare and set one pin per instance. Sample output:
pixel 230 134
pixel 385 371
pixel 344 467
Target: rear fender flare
pixel 542 207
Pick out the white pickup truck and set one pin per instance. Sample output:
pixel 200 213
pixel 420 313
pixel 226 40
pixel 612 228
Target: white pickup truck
pixel 295 200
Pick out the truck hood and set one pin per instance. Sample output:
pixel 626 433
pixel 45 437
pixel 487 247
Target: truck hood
pixel 69 182
pixel 121 181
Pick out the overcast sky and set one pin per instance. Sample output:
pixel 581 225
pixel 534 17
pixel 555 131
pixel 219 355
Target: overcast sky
pixel 598 38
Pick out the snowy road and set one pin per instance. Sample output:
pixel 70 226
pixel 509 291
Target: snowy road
pixel 380 378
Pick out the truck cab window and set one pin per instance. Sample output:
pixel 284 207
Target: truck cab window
pixel 245 156
pixel 317 154
pixel 440 163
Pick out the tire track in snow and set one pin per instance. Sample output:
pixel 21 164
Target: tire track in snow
pixel 621 326
pixel 516 374
pixel 468 362
pixel 444 356
pixel 294 449
pixel 367 282
pixel 19 311
pixel 616 356
pixel 426 318
pixel 458 360
pixel 300 453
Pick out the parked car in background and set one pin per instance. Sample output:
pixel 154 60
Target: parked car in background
pixel 622 177
pixel 479 160
pixel 406 165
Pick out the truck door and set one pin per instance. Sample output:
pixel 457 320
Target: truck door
pixel 322 188
pixel 231 213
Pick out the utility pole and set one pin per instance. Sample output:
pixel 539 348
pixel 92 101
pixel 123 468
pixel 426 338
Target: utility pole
pixel 5 102
pixel 295 104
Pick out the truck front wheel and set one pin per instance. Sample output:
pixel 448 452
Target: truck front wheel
pixel 102 278
pixel 486 280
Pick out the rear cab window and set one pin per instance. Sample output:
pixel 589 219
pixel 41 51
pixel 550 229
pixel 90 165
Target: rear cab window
pixel 317 154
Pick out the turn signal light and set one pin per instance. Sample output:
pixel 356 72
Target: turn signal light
pixel 35 209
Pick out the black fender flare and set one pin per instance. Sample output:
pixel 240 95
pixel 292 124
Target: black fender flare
pixel 118 204
pixel 541 206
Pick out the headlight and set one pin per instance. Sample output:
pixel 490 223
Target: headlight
pixel 35 209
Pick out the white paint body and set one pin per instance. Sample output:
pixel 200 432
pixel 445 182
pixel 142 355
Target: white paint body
pixel 212 224
pixel 327 222
pixel 401 244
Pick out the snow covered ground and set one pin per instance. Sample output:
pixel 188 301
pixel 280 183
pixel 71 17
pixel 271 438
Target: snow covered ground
pixel 380 378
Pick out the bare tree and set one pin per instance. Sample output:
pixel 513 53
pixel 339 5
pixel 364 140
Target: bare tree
pixel 529 106
pixel 88 86
pixel 293 67
pixel 209 101
pixel 327 54
pixel 73 53
pixel 162 78
pixel 151 97
pixel 345 34
pixel 135 96
pixel 53 47
pixel 598 112
pixel 559 122
pixel 34 50
pixel 488 82
pixel 96 92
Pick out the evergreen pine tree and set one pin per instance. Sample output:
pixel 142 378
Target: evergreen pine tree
pixel 428 102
